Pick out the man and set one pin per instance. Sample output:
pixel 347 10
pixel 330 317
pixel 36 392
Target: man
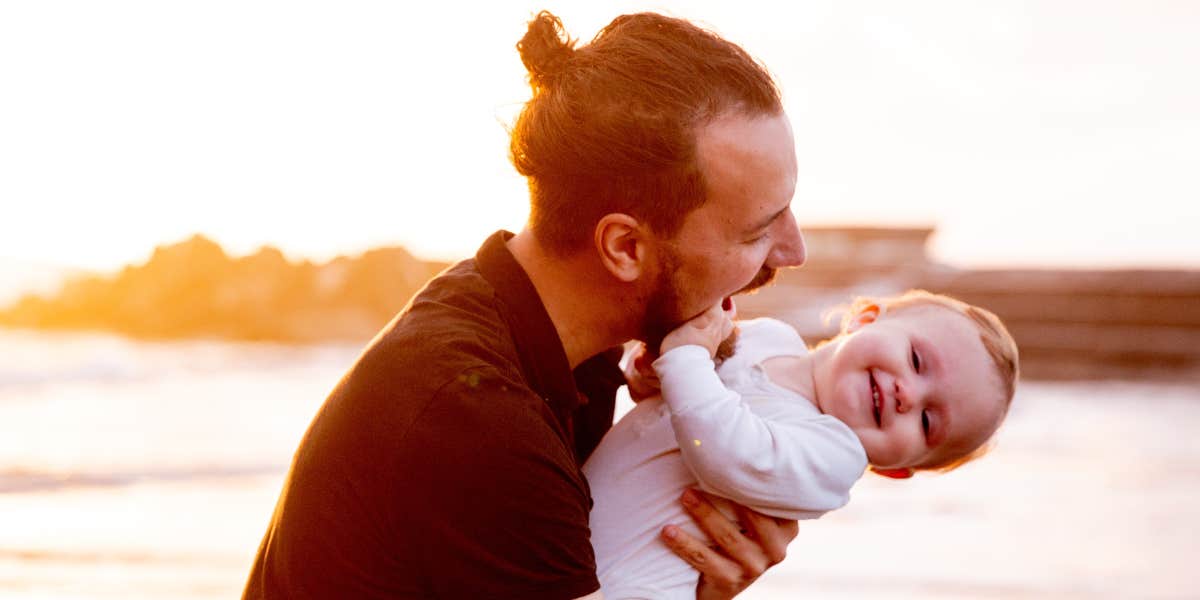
pixel 446 464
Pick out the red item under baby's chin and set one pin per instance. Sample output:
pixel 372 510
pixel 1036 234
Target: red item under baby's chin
pixel 893 473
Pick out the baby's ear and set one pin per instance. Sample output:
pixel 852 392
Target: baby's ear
pixel 865 316
pixel 902 473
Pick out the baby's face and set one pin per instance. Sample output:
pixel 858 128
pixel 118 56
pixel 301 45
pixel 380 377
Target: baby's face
pixel 916 385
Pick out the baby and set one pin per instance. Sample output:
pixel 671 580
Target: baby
pixel 914 382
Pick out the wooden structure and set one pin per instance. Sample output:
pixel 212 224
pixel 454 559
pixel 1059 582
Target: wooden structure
pixel 1069 324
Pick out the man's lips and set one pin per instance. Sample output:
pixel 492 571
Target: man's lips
pixel 876 400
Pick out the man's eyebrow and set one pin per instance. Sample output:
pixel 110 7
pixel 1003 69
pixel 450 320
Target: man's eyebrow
pixel 770 219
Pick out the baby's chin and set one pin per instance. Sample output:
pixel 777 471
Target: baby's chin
pixel 876 457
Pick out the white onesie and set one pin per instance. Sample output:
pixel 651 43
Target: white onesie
pixel 731 432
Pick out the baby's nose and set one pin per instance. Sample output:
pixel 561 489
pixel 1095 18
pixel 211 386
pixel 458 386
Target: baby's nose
pixel 902 400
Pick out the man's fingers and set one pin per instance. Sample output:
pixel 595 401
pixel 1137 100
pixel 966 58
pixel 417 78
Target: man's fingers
pixel 773 535
pixel 715 570
pixel 727 535
pixel 744 551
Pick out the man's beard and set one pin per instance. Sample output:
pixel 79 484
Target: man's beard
pixel 764 276
pixel 663 305
pixel 728 345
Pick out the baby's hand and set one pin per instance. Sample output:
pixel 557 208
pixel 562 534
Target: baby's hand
pixel 640 376
pixel 707 330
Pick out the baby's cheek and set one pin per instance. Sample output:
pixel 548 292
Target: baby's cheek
pixel 876 446
pixel 889 450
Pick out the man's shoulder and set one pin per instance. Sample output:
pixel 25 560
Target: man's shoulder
pixel 460 291
pixel 453 324
pixel 453 327
pixel 450 340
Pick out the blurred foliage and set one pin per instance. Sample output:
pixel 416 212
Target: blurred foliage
pixel 194 289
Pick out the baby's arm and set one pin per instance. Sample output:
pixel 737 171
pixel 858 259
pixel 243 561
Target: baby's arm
pixel 791 465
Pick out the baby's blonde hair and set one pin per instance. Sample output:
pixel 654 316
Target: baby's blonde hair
pixel 998 342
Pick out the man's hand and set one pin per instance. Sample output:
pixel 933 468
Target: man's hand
pixel 745 551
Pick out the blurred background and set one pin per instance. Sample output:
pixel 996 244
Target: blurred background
pixel 208 210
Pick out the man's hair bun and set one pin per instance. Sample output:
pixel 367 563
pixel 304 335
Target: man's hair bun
pixel 611 125
pixel 545 49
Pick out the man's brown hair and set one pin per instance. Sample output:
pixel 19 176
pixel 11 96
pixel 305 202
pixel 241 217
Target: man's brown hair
pixel 611 126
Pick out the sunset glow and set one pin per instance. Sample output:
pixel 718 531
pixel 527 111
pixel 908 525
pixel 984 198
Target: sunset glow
pixel 1027 134
pixel 209 209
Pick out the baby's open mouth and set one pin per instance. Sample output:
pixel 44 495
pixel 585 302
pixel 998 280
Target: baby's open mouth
pixel 875 400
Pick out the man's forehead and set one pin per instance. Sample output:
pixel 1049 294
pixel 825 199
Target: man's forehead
pixel 745 136
pixel 749 165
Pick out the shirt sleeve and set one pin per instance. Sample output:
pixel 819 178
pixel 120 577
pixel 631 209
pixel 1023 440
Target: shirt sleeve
pixel 505 510
pixel 598 379
pixel 785 467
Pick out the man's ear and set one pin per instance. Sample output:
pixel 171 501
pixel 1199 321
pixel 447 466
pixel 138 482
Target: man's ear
pixel 902 473
pixel 621 246
pixel 865 316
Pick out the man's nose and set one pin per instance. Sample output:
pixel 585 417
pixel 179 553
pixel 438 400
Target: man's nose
pixel 789 250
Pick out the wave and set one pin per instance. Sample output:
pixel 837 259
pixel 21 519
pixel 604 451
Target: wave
pixel 100 372
pixel 131 557
pixel 49 358
pixel 23 481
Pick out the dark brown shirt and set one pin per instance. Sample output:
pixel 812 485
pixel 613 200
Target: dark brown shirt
pixel 445 464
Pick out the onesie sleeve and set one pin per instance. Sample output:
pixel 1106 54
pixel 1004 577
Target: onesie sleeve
pixel 793 467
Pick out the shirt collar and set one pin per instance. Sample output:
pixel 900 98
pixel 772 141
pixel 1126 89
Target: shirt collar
pixel 543 358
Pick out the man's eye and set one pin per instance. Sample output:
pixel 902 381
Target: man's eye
pixel 925 422
pixel 916 360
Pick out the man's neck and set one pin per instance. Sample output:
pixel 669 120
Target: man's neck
pixel 584 303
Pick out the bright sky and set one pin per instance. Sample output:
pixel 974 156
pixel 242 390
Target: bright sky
pixel 1039 132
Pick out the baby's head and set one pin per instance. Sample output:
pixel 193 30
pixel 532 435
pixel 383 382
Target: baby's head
pixel 924 380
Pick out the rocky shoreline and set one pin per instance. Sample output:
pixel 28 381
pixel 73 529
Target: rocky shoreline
pixel 1069 324
pixel 194 289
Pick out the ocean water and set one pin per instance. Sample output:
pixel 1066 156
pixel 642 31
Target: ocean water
pixel 149 469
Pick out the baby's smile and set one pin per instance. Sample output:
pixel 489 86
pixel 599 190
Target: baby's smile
pixel 876 401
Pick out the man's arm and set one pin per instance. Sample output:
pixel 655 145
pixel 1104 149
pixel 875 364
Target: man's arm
pixel 746 548
pixel 505 507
